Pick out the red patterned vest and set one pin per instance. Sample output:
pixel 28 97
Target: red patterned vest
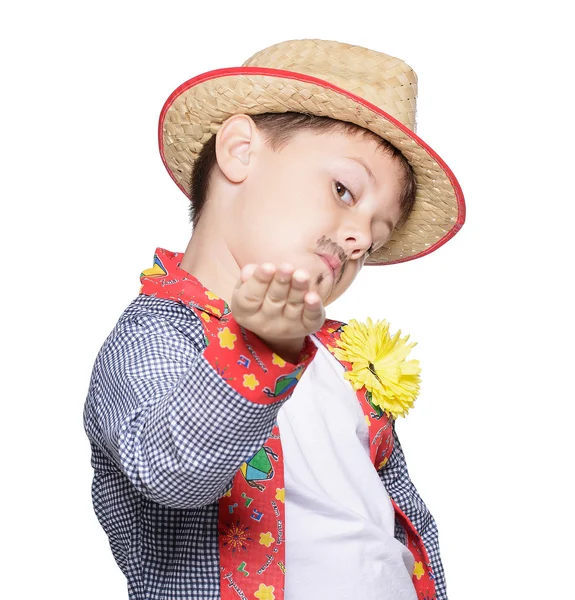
pixel 251 515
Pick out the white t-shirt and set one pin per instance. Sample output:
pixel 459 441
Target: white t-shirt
pixel 339 518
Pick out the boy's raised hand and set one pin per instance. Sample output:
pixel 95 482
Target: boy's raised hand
pixel 276 304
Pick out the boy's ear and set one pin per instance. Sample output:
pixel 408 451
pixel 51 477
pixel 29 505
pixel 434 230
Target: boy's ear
pixel 235 143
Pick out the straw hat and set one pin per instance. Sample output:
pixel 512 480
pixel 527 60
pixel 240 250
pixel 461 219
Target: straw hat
pixel 350 83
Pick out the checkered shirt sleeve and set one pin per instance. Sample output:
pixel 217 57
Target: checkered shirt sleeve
pixel 163 415
pixel 399 486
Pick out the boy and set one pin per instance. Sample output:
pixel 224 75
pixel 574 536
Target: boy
pixel 231 458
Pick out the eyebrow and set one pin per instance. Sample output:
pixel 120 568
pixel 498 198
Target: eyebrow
pixel 360 161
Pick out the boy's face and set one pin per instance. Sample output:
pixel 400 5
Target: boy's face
pixel 333 194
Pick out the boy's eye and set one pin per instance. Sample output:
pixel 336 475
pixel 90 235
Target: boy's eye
pixel 342 191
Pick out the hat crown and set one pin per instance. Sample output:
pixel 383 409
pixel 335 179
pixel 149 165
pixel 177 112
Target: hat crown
pixel 384 80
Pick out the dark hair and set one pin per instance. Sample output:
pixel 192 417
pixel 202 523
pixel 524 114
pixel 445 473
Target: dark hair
pixel 278 129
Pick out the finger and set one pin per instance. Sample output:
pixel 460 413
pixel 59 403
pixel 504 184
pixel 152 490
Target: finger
pixel 278 291
pixel 247 272
pixel 250 295
pixel 313 315
pixel 295 301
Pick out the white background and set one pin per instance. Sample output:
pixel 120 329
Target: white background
pixel 86 200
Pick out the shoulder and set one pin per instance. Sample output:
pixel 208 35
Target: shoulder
pixel 148 320
pixel 160 313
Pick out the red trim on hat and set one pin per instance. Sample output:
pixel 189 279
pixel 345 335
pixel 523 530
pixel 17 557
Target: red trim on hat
pixel 326 84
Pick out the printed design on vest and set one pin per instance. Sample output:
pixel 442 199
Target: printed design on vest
pixel 157 270
pixel 252 517
pixel 236 536
pixel 247 372
pixel 285 383
pixel 259 468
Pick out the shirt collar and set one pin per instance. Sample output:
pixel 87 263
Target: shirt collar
pixel 167 280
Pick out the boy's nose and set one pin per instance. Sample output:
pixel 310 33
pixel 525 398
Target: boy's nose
pixel 357 244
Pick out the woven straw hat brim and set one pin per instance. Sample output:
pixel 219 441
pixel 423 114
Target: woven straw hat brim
pixel 195 110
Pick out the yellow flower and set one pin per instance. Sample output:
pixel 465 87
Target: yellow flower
pixel 281 494
pixel 267 539
pixel 227 338
pixel 278 360
pixel 250 381
pixel 215 310
pixel 418 570
pixel 265 592
pixel 378 363
pixel 211 295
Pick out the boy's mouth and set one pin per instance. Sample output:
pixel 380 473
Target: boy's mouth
pixel 333 263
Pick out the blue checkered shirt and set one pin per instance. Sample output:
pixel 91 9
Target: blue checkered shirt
pixel 167 436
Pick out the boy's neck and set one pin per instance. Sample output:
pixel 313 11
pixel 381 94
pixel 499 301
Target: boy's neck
pixel 208 260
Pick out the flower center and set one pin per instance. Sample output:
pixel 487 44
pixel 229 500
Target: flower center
pixel 371 368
